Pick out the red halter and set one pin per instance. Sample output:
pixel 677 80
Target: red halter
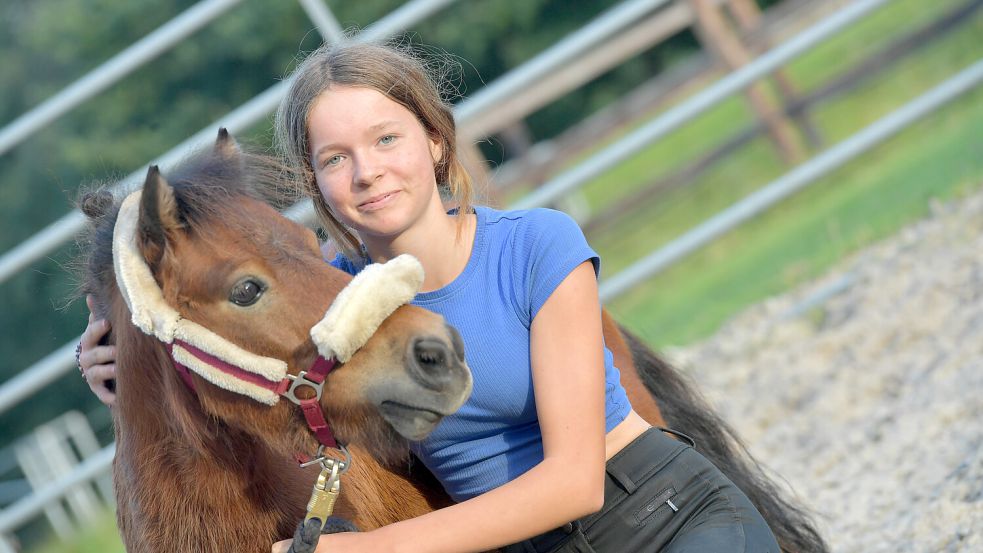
pixel 312 377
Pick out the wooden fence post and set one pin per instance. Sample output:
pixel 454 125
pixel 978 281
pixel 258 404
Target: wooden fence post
pixel 747 15
pixel 717 36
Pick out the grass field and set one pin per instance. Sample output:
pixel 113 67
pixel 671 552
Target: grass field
pixel 872 197
pixel 101 537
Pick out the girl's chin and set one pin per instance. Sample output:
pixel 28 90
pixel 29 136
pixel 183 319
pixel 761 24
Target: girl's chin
pixel 381 228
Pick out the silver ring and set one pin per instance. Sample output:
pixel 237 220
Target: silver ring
pixel 327 462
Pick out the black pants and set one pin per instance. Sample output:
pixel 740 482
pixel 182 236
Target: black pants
pixel 662 495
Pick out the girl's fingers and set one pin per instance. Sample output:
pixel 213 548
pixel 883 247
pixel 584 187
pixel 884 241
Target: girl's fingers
pixel 94 333
pixel 104 395
pixel 103 355
pixel 99 374
pixel 96 329
pixel 97 377
pixel 98 355
pixel 90 335
pixel 97 362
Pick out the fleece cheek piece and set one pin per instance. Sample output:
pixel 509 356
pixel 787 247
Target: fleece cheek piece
pixel 351 320
pixel 361 306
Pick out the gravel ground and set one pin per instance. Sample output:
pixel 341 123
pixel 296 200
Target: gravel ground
pixel 870 403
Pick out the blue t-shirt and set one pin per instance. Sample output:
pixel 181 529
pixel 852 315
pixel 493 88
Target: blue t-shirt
pixel 517 261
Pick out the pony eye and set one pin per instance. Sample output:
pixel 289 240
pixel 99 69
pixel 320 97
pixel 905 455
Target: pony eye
pixel 246 292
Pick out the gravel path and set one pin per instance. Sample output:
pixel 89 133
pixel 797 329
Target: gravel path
pixel 870 404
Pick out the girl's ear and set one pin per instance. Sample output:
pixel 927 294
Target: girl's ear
pixel 436 150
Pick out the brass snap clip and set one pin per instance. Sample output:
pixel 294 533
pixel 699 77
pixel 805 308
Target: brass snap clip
pixel 327 488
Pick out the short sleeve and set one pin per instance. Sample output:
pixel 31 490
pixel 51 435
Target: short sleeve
pixel 550 246
pixel 342 262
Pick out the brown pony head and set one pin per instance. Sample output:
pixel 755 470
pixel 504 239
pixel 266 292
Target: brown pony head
pixel 227 261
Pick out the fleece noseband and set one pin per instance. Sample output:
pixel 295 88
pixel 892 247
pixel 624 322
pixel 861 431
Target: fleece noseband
pixel 353 317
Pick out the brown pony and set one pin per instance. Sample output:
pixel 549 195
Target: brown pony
pixel 215 473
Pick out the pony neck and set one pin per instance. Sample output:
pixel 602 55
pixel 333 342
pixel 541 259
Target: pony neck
pixel 188 466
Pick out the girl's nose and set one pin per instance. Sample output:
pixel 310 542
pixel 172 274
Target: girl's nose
pixel 367 169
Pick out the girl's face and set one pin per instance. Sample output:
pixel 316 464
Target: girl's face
pixel 373 161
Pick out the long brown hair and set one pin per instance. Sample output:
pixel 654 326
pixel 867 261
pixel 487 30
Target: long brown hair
pixel 395 73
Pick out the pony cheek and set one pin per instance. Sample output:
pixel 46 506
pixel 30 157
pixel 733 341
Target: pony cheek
pixel 354 418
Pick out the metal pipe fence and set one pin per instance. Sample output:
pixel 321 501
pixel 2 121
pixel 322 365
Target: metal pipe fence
pixel 325 21
pixel 37 376
pixel 564 52
pixel 117 67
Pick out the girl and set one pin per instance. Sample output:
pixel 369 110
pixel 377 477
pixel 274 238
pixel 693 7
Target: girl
pixel 547 454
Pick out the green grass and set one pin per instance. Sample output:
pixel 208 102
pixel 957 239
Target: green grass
pixel 100 537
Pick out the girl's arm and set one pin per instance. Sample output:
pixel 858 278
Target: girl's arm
pixel 566 354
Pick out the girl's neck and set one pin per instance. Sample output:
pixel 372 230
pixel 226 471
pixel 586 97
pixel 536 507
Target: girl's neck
pixel 440 242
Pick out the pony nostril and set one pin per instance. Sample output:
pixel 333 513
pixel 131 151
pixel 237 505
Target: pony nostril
pixel 430 362
pixel 430 354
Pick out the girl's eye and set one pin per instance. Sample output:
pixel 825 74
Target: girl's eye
pixel 333 160
pixel 388 139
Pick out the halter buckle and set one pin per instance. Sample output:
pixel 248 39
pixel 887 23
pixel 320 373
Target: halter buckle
pixel 299 380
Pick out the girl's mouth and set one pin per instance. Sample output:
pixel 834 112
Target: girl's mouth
pixel 377 202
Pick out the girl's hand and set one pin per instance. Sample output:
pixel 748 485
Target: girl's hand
pixel 98 362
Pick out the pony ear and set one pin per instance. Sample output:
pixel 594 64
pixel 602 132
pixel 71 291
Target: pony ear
pixel 158 216
pixel 225 145
pixel 228 149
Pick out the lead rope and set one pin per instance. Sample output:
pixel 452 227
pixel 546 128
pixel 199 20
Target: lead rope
pixel 325 493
